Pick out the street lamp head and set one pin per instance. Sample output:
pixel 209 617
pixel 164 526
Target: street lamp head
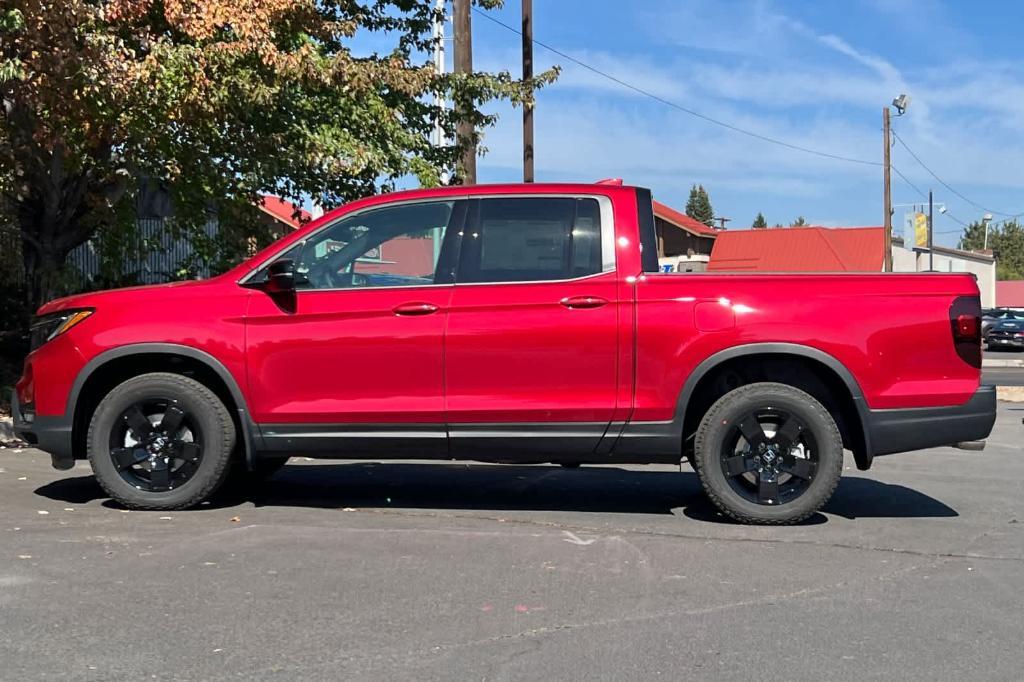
pixel 987 217
pixel 901 103
pixel 942 209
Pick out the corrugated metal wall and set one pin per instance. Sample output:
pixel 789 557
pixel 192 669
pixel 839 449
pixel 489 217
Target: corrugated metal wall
pixel 158 266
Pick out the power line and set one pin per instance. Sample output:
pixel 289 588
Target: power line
pixel 674 105
pixel 912 185
pixel 946 184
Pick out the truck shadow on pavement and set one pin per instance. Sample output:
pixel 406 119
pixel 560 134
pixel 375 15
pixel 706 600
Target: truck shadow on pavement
pixel 373 485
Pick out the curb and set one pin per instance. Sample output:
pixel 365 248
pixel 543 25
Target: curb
pixel 993 362
pixel 1010 394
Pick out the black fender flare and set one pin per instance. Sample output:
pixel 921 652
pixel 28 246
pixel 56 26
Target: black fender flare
pixel 659 437
pixel 779 348
pixel 249 430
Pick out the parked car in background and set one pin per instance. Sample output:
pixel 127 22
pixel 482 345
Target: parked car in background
pixel 1007 333
pixel 504 323
pixel 990 316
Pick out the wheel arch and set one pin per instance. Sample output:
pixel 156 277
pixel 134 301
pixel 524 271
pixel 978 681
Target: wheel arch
pixel 116 365
pixel 805 367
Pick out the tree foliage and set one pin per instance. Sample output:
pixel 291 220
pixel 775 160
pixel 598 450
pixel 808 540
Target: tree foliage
pixel 759 222
pixel 1005 240
pixel 698 206
pixel 799 222
pixel 218 100
pixel 973 237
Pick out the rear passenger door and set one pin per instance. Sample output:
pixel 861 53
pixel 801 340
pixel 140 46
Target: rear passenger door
pixel 531 343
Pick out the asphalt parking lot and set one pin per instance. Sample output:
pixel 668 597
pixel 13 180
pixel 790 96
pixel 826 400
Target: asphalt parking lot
pixel 915 570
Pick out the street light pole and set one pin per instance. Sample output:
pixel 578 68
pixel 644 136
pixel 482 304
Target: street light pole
pixel 931 260
pixel 887 191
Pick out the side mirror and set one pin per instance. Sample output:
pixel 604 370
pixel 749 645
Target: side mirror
pixel 280 277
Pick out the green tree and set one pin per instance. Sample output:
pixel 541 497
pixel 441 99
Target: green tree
pixel 973 237
pixel 218 100
pixel 698 206
pixel 759 222
pixel 799 222
pixel 1008 249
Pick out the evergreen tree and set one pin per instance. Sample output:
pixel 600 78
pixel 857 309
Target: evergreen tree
pixel 973 238
pixel 1006 241
pixel 1008 250
pixel 698 206
pixel 799 222
pixel 759 222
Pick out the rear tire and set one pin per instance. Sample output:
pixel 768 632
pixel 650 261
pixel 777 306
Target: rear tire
pixel 160 441
pixel 768 453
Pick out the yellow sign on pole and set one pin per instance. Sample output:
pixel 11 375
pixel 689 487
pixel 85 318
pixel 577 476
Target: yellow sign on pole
pixel 920 230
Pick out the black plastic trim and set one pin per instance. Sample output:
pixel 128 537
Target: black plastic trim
pixel 905 430
pixel 400 441
pixel 49 434
pixel 526 442
pixel 495 442
pixel 658 439
pixel 648 230
pixel 250 433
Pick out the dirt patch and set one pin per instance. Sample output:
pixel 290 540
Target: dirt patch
pixel 1010 394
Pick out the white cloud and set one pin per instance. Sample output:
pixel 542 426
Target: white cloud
pixel 765 72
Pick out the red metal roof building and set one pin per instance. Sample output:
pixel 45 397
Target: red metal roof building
pixel 1010 294
pixel 799 249
pixel 683 221
pixel 283 211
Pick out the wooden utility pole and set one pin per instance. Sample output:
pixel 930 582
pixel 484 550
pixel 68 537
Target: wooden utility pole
pixel 464 64
pixel 527 78
pixel 887 189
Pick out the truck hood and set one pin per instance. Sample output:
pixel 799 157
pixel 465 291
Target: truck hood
pixel 93 298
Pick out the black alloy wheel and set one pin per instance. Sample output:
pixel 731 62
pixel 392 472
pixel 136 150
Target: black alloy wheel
pixel 161 441
pixel 156 445
pixel 768 453
pixel 769 457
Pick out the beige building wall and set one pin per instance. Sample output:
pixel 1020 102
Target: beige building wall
pixel 951 260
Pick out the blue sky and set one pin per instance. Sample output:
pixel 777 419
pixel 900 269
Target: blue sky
pixel 815 74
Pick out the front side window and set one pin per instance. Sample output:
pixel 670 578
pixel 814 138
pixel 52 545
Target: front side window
pixel 385 247
pixel 532 239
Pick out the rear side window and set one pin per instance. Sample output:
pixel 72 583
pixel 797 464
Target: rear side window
pixel 532 239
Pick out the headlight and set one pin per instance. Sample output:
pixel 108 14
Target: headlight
pixel 47 327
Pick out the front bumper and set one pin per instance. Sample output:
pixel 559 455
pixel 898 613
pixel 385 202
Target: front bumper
pixel 892 431
pixel 49 434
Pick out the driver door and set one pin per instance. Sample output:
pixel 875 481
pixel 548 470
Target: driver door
pixel 352 362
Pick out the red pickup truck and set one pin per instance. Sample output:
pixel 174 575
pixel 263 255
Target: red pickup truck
pixel 504 323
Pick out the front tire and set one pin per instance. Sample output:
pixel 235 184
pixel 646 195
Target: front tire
pixel 768 453
pixel 160 441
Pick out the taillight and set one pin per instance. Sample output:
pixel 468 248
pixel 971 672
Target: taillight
pixel 965 321
pixel 966 328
